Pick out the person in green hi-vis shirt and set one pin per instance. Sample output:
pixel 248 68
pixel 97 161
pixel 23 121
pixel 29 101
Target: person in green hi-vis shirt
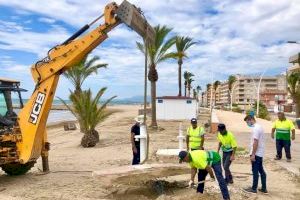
pixel 283 128
pixel 207 162
pixel 194 136
pixel 227 143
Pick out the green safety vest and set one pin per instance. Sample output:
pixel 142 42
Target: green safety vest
pixel 283 129
pixel 195 136
pixel 228 141
pixel 200 158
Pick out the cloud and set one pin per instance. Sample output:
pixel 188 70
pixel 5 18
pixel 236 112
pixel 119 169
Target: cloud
pixel 47 20
pixel 243 37
pixel 16 37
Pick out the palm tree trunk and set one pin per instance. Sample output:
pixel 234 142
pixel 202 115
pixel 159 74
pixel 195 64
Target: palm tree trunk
pixel 185 90
pixel 153 105
pixel 229 97
pixel 179 76
pixel 215 98
pixel 189 91
pixel 297 105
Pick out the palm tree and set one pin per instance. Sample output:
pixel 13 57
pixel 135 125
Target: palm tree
pixel 78 74
pixel 198 88
pixel 189 85
pixel 231 81
pixel 157 53
pixel 87 110
pixel 195 94
pixel 216 85
pixel 185 76
pixel 294 89
pixel 182 45
pixel 187 81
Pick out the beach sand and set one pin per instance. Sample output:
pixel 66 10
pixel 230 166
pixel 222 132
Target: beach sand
pixel 72 167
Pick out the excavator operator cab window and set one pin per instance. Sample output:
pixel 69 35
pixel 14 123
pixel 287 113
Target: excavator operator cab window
pixel 3 107
pixel 10 102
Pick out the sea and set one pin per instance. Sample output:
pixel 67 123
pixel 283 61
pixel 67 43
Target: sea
pixel 58 116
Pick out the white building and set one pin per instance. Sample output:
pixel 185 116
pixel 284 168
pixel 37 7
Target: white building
pixel 176 108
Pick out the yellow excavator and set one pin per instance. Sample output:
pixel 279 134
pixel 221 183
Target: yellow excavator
pixel 23 137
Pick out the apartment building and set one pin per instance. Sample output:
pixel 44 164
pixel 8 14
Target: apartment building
pixel 223 94
pixel 294 60
pixel 210 96
pixel 245 88
pixel 244 91
pixel 204 99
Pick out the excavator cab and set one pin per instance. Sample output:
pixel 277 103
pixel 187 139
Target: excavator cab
pixel 10 103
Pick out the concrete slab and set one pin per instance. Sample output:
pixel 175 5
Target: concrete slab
pixel 291 167
pixel 136 169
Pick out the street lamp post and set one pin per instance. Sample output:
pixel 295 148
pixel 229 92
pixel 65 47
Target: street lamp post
pixel 211 91
pixel 258 90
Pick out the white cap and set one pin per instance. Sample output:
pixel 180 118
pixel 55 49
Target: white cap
pixel 139 119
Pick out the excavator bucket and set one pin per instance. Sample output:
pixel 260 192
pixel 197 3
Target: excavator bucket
pixel 132 17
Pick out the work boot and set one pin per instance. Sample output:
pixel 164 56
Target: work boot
pixel 265 191
pixel 277 158
pixel 250 190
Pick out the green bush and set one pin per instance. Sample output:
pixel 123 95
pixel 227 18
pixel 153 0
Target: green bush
pixel 263 111
pixel 237 109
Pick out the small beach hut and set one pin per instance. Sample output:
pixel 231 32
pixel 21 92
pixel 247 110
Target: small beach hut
pixel 176 108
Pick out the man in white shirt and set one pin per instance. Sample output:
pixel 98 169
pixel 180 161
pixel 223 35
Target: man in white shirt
pixel 257 150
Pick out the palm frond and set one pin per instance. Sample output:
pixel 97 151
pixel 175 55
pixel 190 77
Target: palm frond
pixel 140 47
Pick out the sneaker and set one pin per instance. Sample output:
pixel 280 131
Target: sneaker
pixel 263 191
pixel 250 190
pixel 288 160
pixel 276 158
pixel 230 182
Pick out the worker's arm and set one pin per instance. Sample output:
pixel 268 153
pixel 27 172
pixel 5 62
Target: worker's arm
pixel 234 147
pixel 187 142
pixel 272 133
pixel 133 143
pixel 293 134
pixel 292 127
pixel 202 142
pixel 193 173
pixel 210 171
pixel 232 157
pixel 254 149
pixel 219 147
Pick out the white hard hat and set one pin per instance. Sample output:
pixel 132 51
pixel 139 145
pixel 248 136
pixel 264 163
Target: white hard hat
pixel 139 119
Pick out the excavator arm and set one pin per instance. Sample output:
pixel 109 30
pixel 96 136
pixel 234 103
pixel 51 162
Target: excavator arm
pixel 33 117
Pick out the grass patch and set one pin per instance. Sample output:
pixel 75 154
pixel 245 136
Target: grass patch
pixel 241 151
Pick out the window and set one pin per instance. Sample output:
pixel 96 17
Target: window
pixel 3 108
pixel 160 101
pixel 189 101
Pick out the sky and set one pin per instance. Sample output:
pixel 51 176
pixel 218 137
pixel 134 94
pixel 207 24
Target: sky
pixel 233 37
